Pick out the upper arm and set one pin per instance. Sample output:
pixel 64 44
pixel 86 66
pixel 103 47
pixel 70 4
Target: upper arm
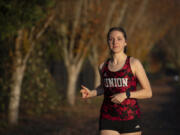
pixel 140 73
pixel 100 70
pixel 100 67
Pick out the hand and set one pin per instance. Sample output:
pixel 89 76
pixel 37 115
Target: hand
pixel 118 98
pixel 86 93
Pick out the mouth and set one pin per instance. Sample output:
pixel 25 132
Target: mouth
pixel 115 46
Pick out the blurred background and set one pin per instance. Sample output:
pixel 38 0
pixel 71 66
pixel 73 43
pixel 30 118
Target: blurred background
pixel 49 48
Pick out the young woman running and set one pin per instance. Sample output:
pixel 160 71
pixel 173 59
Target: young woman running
pixel 120 112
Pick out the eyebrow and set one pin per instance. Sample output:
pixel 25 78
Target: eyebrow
pixel 117 37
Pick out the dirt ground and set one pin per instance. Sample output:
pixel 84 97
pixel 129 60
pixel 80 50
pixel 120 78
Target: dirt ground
pixel 160 115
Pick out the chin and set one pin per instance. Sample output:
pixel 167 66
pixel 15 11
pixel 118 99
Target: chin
pixel 117 51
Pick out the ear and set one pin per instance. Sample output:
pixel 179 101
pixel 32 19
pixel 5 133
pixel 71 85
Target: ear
pixel 125 43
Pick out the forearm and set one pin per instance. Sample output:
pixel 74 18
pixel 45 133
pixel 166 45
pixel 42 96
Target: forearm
pixel 141 94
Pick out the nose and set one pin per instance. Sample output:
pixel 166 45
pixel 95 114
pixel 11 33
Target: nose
pixel 114 41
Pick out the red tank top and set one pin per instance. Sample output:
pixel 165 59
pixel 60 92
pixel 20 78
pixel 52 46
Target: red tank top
pixel 118 82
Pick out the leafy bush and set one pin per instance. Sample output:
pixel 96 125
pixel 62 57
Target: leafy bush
pixel 39 91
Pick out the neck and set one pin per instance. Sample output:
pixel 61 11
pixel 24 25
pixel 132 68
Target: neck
pixel 118 57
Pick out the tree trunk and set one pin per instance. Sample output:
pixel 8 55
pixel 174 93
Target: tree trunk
pixel 73 73
pixel 94 58
pixel 19 66
pixel 15 94
pixel 16 81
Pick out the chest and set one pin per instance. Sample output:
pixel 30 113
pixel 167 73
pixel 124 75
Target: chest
pixel 115 67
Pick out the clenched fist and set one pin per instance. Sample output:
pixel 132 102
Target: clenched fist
pixel 86 93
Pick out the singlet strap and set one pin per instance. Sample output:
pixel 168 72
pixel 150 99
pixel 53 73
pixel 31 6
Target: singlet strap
pixel 105 65
pixel 128 60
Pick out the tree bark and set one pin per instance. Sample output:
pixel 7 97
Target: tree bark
pixel 19 67
pixel 16 81
pixel 15 94
pixel 94 59
pixel 138 16
pixel 95 54
pixel 73 71
pixel 73 54
pixel 123 11
pixel 71 88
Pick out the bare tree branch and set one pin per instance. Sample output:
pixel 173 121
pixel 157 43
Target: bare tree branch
pixel 39 34
pixel 75 24
pixel 18 46
pixel 46 24
pixel 140 13
pixel 119 20
pixel 110 15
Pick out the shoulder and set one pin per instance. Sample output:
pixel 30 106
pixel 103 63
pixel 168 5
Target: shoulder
pixel 135 61
pixel 135 64
pixel 102 64
pixel 100 67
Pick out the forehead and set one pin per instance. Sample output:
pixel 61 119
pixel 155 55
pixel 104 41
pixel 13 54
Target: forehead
pixel 116 33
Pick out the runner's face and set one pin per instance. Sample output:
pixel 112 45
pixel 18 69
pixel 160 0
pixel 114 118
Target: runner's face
pixel 117 41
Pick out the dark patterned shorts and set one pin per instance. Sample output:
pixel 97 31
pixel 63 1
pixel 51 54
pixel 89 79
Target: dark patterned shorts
pixel 121 126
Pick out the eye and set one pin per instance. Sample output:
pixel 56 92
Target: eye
pixel 110 39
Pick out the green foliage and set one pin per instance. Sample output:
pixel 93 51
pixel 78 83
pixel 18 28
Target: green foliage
pixel 16 14
pixel 39 92
pixel 5 68
pixel 53 50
